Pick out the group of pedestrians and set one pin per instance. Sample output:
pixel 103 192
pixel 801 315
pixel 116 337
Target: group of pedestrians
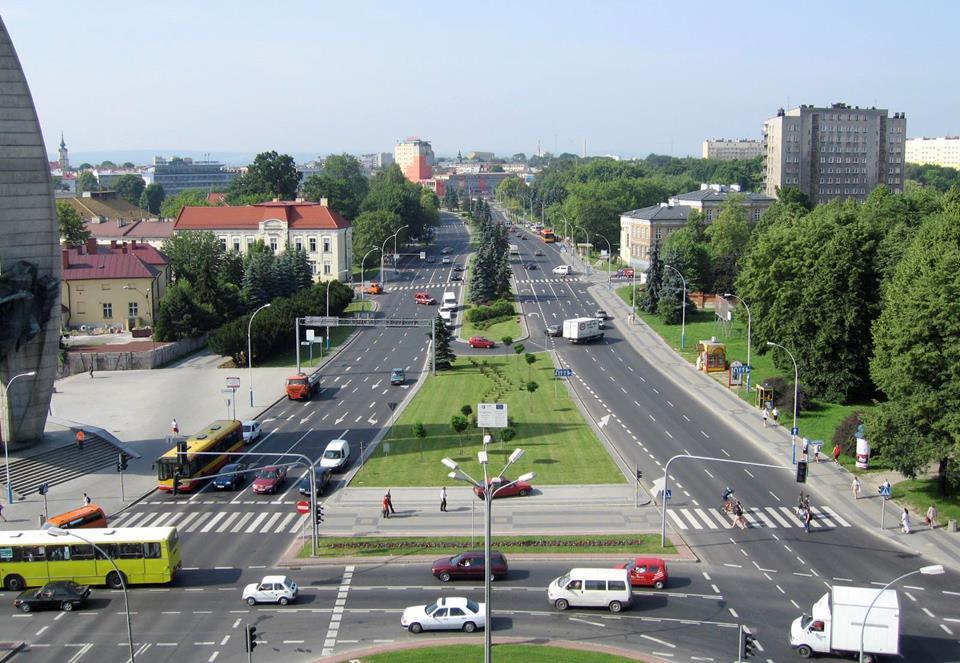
pixel 387 506
pixel 774 414
pixel 804 512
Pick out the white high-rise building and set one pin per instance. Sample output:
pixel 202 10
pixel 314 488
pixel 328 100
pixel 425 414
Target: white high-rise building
pixel 943 151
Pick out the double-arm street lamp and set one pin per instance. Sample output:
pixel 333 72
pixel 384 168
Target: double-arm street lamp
pixel 8 429
pixel 362 288
pixel 609 256
pixel 56 531
pixel 489 489
pixel 249 351
pixel 383 247
pixel 749 326
pixel 796 391
pixel 342 271
pixel 683 308
pixel 933 570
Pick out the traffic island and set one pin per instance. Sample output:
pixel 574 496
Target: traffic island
pixel 507 649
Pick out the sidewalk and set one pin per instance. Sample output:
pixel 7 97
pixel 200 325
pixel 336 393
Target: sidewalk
pixel 829 479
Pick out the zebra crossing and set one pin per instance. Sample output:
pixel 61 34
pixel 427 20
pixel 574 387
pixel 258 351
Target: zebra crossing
pixel 569 279
pixel 771 517
pixel 216 522
pixel 424 286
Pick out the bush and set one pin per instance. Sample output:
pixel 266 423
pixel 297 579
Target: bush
pixel 497 309
pixel 783 395
pixel 845 434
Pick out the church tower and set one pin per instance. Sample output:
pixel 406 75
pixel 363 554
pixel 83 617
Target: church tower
pixel 64 157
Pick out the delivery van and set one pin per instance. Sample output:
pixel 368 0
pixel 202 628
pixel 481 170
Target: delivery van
pixel 449 300
pixel 86 516
pixel 591 588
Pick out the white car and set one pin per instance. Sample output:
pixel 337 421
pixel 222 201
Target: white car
pixel 251 431
pixel 445 261
pixel 272 589
pixel 452 613
pixel 563 270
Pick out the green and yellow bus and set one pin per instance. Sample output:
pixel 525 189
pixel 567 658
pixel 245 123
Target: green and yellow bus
pixel 220 436
pixel 32 558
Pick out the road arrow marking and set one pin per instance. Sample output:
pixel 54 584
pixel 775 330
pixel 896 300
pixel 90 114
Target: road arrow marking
pixel 302 421
pixel 337 422
pixel 604 420
pixel 372 421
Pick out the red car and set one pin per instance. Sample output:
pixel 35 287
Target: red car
pixel 646 572
pixel 424 298
pixel 480 342
pixel 270 479
pixel 521 488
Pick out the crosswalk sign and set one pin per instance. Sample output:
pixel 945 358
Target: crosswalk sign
pixel 884 490
pixel 668 494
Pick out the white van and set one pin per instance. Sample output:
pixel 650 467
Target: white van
pixel 563 270
pixel 591 588
pixel 449 300
pixel 336 456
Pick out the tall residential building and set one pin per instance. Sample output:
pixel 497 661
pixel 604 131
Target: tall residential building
pixel 934 151
pixel 730 150
pixel 837 152
pixel 415 158
pixel 177 174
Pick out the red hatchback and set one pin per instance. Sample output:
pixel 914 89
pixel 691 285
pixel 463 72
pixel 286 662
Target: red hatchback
pixel 480 342
pixel 521 488
pixel 270 479
pixel 646 572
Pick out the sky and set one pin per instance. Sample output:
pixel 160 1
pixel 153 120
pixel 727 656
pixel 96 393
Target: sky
pixel 626 78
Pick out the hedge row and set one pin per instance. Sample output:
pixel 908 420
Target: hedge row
pixel 497 309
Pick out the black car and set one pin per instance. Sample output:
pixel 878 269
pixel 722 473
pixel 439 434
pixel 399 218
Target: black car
pixel 323 478
pixel 531 265
pixel 456 277
pixel 231 481
pixel 57 595
pixel 431 259
pixel 601 314
pixel 458 268
pixel 554 330
pixel 538 252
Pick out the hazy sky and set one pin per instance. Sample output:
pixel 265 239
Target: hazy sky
pixel 630 78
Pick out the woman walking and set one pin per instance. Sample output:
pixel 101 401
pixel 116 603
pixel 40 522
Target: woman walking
pixel 905 521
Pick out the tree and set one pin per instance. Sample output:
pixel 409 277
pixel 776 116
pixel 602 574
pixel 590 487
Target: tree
pixel 915 360
pixel 693 253
pixel 180 314
pixel 443 353
pixel 792 195
pixel 419 431
pixel 130 187
pixel 196 255
pixel 531 387
pixel 466 410
pixel 87 181
pixel 729 237
pixel 459 424
pixel 650 299
pixel 107 164
pixel 260 281
pixel 72 229
pixel 152 198
pixel 390 191
pixel 370 230
pixel 672 300
pixel 271 174
pixel 342 183
pixel 170 207
pixel 302 272
pixel 530 359
pixel 128 164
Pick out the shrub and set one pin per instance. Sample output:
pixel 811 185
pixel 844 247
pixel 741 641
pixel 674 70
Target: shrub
pixel 496 309
pixel 783 395
pixel 845 433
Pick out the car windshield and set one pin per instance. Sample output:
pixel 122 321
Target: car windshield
pixel 430 608
pixel 805 621
pixel 563 581
pixel 331 453
pixel 456 559
pixel 472 606
pixel 229 468
pixel 300 381
pixel 247 428
pixel 268 474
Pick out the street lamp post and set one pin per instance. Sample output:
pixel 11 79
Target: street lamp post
pixel 796 389
pixel 153 317
pixel 328 302
pixel 383 247
pixel 586 236
pixel 749 326
pixel 683 308
pixel 7 429
pixel 361 272
pixel 249 351
pixel 56 531
pixel 395 259
pixel 933 570
pixel 488 492
pixel 609 255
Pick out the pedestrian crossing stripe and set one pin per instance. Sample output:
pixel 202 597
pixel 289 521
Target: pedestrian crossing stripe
pixel 423 287
pixel 566 280
pixel 756 517
pixel 218 522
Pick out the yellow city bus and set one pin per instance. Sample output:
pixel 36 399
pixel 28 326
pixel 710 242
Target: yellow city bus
pixel 548 236
pixel 220 436
pixel 32 558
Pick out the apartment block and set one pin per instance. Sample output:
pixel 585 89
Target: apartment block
pixel 732 150
pixel 836 152
pixel 415 158
pixel 943 151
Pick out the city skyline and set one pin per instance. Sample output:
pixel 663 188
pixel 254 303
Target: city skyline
pixel 622 79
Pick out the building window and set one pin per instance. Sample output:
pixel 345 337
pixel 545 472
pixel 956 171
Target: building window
pixel 756 214
pixel 326 245
pixel 107 311
pixel 273 245
pixel 133 309
pixel 326 268
pixel 249 243
pixel 223 243
pixel 298 243
pixel 236 245
pixel 313 245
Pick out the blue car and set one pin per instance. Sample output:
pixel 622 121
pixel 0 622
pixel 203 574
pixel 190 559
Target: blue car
pixel 234 476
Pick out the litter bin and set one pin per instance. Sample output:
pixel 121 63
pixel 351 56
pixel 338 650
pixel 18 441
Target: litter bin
pixel 952 525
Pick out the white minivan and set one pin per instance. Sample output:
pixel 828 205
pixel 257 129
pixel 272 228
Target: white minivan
pixel 449 300
pixel 563 270
pixel 336 455
pixel 591 588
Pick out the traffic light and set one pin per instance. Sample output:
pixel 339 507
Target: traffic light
pixel 319 513
pixel 639 474
pixel 121 463
pixel 802 471
pixel 176 482
pixel 750 646
pixel 251 638
pixel 182 452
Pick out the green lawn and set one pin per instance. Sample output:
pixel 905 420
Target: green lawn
pixel 919 493
pixel 381 546
pixel 817 423
pixel 338 335
pixel 496 331
pixel 560 447
pixel 460 653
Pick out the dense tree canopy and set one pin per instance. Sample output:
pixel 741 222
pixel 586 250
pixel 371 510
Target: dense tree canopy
pixel 130 187
pixel 87 181
pixel 370 230
pixel 152 198
pixel 271 175
pixel 342 183
pixel 390 191
pixel 170 207
pixel 72 230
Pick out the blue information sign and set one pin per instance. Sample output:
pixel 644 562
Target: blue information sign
pixel 562 372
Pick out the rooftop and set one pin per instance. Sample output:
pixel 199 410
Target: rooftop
pixel 299 215
pixel 117 261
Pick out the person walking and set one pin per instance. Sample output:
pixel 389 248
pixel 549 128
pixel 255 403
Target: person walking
pixel 807 517
pixel 86 500
pixel 800 504
pixel 836 453
pixel 80 437
pixel 385 512
pixel 931 517
pixel 443 498
pixel 856 487
pixel 740 521
pixel 1 514
pixel 776 416
pixel 805 449
pixel 389 500
pixel 905 521
pixel 816 452
pixel 175 427
pixel 764 415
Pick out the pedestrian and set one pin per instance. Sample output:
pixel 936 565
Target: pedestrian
pixel 807 517
pixel 764 415
pixel 816 452
pixel 176 427
pixel 931 518
pixel 86 500
pixel 389 501
pixel 836 453
pixel 776 416
pixel 443 498
pixel 1 514
pixel 800 504
pixel 740 521
pixel 856 488
pixel 91 370
pixel 905 521
pixel 805 449
pixel 385 512
pixel 80 437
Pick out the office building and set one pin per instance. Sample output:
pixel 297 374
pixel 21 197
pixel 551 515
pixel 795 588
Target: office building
pixel 943 151
pixel 415 158
pixel 176 175
pixel 836 152
pixel 731 150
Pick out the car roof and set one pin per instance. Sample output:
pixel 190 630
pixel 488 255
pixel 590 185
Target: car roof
pixel 452 601
pixel 647 560
pixel 269 467
pixel 250 422
pixel 336 444
pixel 275 579
pixel 231 465
pixel 598 574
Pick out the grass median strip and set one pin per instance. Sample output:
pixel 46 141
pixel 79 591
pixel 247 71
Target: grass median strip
pixel 560 447
pixel 460 653
pixel 584 544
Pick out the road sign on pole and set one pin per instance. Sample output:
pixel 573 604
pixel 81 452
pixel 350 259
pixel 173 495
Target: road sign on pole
pixel 562 372
pixel 303 507
pixel 233 383
pixel 492 415
pixel 321 321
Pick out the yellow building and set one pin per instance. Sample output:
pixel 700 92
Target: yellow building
pixel 943 151
pixel 115 286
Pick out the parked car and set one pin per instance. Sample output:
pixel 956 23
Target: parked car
pixel 538 252
pixel 234 476
pixel 456 276
pixel 451 613
pixel 272 589
pixel 398 376
pixel 270 479
pixel 57 595
pixel 646 572
pixel 336 455
pixel 554 330
pixel 521 488
pixel 479 342
pixel 251 431
pixel 469 566
pixel 322 475
pixel 531 265
pixel 424 298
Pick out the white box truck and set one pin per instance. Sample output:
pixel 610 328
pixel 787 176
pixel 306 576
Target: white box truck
pixel 835 623
pixel 514 250
pixel 582 330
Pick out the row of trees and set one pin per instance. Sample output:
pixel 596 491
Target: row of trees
pixel 490 271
